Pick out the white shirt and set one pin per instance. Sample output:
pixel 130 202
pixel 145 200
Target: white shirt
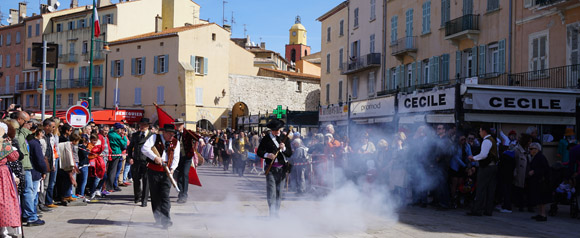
pixel 146 150
pixel 485 147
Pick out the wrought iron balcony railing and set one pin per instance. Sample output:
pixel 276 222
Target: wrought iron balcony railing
pixel 464 23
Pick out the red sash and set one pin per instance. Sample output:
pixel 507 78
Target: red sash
pixel 161 148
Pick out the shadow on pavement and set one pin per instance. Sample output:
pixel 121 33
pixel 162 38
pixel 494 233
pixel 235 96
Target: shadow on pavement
pixel 105 222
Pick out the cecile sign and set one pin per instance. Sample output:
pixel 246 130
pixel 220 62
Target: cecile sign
pixel 428 101
pixel 520 101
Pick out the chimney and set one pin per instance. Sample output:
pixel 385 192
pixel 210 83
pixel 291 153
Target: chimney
pixel 43 8
pixel 263 45
pixel 74 3
pixel 102 3
pixel 158 23
pixel 228 27
pixel 14 16
pixel 21 11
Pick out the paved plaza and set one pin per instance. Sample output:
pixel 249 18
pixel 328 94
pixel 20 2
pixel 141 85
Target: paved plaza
pixel 232 206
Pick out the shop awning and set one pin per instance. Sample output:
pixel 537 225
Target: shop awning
pixel 108 116
pixel 440 118
pixel 412 119
pixel 521 119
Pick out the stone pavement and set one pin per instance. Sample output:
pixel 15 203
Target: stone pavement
pixel 230 206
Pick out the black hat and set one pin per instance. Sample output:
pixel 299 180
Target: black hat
pixel 168 128
pixel 144 121
pixel 275 124
pixel 179 121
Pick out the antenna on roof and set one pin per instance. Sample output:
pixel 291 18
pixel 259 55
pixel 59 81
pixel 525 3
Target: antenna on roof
pixel 245 30
pixel 224 20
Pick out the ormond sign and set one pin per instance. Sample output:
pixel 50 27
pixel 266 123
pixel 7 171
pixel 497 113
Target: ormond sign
pixel 379 107
pixel 525 102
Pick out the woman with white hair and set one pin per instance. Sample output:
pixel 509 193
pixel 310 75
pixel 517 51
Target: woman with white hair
pixel 300 161
pixel 539 181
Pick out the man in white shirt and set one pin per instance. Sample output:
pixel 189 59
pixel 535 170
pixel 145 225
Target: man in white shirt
pixel 161 150
pixel 486 174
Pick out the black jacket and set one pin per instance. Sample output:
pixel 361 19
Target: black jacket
pixel 37 160
pixel 268 146
pixel 134 148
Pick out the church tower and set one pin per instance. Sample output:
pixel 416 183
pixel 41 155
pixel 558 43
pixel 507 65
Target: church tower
pixel 297 48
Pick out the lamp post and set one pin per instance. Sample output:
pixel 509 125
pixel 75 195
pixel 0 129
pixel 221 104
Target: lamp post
pixel 105 50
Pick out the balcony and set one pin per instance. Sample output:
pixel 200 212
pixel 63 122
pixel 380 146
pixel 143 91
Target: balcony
pixel 546 4
pixel 461 28
pixel 68 59
pixel 97 56
pixel 28 86
pixel 558 77
pixel 406 46
pixel 365 62
pixel 61 84
pixel 7 90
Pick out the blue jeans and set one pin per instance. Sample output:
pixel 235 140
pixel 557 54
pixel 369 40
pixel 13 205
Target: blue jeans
pixel 50 188
pixel 126 172
pixel 119 166
pixel 30 197
pixel 82 180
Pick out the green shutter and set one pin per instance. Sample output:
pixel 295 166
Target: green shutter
pixel 413 74
pixel 133 64
pixel 419 72
pixel 205 65
pixel 474 62
pixel 436 69
pixel 143 65
pixel 155 64
pixel 482 51
pixel 166 64
pixel 445 67
pixel 458 64
pixel 502 56
pixel 122 67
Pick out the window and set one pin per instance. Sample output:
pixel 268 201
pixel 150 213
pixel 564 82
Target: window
pixel 199 96
pixel 572 36
pixel 28 99
pixel 328 63
pixel 328 34
pixel 394 76
pixel 7 61
pixel 425 74
pixel 34 101
pixel 7 85
pixel 71 25
pixel 371 84
pixel 426 17
pixel 108 19
pixel 213 36
pixel 373 8
pixel 59 27
pixel 117 68
pixel 492 5
pixel 340 57
pixel 97 98
pixel 47 100
pixel 82 23
pixel 355 50
pixel 161 95
pixel 71 73
pixel 356 17
pixel 493 58
pixel 409 23
pixel 70 98
pixel 29 33
pixel 197 65
pixel 327 93
pixel 37 33
pixel 409 78
pixel 355 86
pixel 28 53
pixel 445 11
pixel 539 51
pixel 161 64
pixel 340 91
pixel 138 66
pixel 372 43
pixel 469 64
pixel 467 7
pixel 1 61
pixel 59 100
pixel 85 47
pixel 341 28
pixel 17 60
pixel 8 39
pixel 298 86
pixel 18 37
pixel 82 96
pixel 137 100
pixel 394 20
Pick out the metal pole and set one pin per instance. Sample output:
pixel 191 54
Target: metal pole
pixel 54 93
pixel 43 103
pixel 90 96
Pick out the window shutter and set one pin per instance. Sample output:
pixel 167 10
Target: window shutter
pixel 458 64
pixel 436 68
pixel 528 3
pixel 445 68
pixel 482 51
pixel 413 74
pixel 143 67
pixel 199 96
pixel 474 61
pixel 419 72
pixel 502 56
pixel 155 64
pixel 401 75
pixel 122 67
pixel 358 49
pixel 137 96
pixel 166 64
pixel 192 61
pixel 205 65
pixel 133 66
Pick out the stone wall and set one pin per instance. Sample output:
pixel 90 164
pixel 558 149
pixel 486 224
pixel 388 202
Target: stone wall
pixel 263 94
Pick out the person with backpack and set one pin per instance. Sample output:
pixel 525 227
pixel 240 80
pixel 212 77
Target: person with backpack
pixel 486 175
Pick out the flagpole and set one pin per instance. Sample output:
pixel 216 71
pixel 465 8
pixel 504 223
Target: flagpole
pixel 90 96
pixel 116 97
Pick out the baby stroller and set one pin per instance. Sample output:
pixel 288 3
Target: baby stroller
pixel 563 185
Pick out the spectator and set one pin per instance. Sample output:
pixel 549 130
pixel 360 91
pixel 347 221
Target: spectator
pixel 539 181
pixel 486 175
pixel 10 213
pixel 118 143
pixel 522 157
pixel 563 153
pixel 40 168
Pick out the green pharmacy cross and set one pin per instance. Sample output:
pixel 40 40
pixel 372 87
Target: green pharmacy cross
pixel 279 112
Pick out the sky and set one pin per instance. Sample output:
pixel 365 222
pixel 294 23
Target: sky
pixel 266 20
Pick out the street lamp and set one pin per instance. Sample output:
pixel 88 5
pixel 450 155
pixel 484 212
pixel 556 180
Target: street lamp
pixel 106 50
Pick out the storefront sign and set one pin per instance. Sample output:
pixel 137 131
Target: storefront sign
pixel 254 119
pixel 523 101
pixel 427 101
pixel 373 108
pixel 333 113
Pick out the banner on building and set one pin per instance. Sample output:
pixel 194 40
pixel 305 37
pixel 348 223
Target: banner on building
pixel 443 99
pixel 523 102
pixel 379 107
pixel 333 113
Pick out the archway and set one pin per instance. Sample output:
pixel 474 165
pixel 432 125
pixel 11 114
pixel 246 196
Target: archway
pixel 293 55
pixel 239 109
pixel 205 124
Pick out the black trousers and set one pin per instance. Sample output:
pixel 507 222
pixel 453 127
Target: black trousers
pixel 140 183
pixel 274 188
pixel 112 172
pixel 181 176
pixel 485 190
pixel 159 185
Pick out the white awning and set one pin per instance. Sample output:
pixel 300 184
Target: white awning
pixel 412 119
pixel 440 118
pixel 521 119
pixel 342 123
pixel 383 119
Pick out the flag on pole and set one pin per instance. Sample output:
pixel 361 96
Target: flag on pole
pixel 163 117
pixel 96 20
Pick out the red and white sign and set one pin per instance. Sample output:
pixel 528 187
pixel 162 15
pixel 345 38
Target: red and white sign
pixel 78 116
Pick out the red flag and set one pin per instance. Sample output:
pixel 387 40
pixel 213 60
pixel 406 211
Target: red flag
pixel 193 178
pixel 164 118
pixel 97 26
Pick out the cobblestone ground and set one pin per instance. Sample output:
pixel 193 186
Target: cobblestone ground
pixel 232 206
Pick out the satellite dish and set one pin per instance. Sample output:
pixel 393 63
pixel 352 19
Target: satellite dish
pixel 56 4
pixel 51 9
pixel 9 20
pixel 23 15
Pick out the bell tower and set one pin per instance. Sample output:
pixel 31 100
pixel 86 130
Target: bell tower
pixel 297 46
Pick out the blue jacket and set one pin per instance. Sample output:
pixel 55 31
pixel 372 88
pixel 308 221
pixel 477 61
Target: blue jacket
pixel 39 166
